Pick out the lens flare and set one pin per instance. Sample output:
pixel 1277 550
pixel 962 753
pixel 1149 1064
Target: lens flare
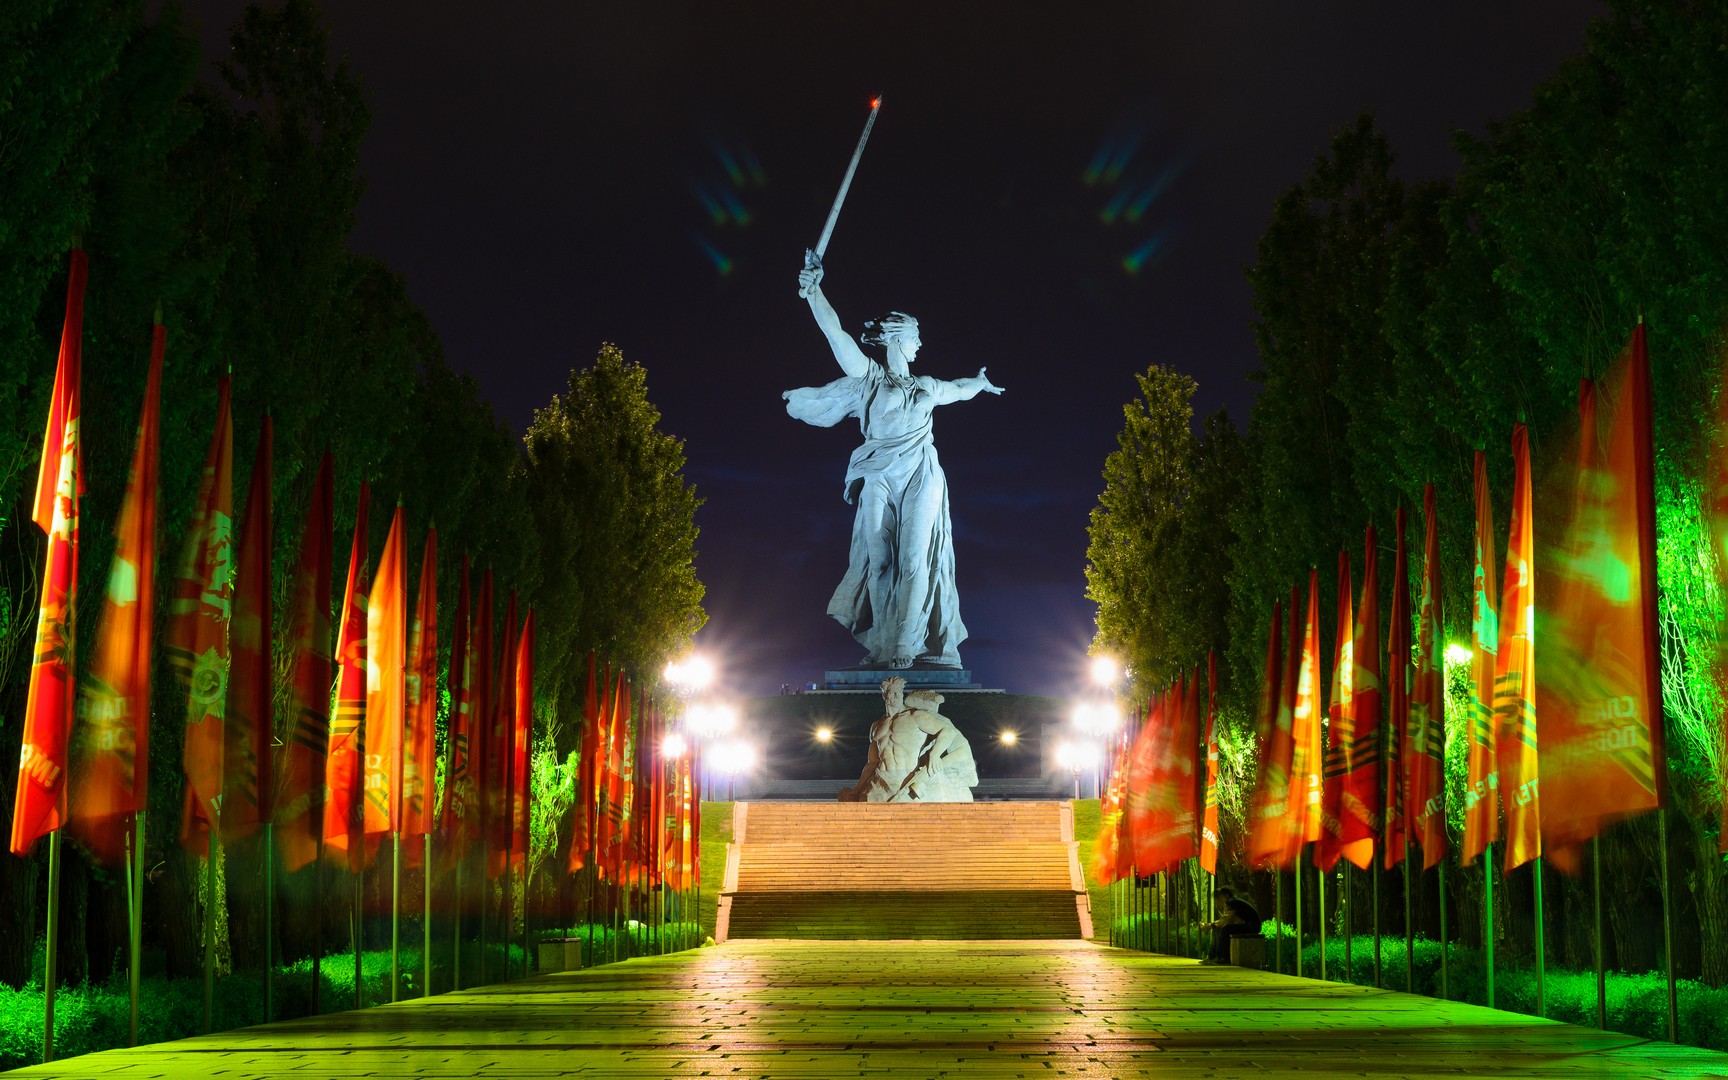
pixel 721 262
pixel 1136 259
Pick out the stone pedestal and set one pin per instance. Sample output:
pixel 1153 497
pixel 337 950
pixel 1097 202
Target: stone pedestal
pixel 868 680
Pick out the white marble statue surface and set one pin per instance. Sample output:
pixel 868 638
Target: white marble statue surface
pixel 916 753
pixel 897 597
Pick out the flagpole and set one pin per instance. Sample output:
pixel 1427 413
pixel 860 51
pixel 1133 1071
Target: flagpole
pixel 395 912
pixel 456 925
pixel 1278 923
pixel 1409 921
pixel 1374 873
pixel 1445 942
pixel 1596 896
pixel 269 914
pixel 135 924
pixel 1320 914
pixel 318 924
pixel 209 928
pixel 1667 923
pixel 359 920
pixel 52 974
pixel 426 916
pixel 1536 869
pixel 1488 918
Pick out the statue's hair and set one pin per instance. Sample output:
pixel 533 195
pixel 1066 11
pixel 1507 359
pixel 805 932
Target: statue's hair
pixel 879 330
pixel 893 692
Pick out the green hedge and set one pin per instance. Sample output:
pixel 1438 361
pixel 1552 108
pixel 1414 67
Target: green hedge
pixel 1637 1003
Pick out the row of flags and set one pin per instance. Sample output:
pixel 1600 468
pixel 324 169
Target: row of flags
pixel 1555 753
pixel 358 765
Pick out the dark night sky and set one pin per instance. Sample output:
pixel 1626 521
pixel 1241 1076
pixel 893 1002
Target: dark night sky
pixel 542 172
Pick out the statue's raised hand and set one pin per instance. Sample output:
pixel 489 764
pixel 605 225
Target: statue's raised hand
pixel 809 278
pixel 988 387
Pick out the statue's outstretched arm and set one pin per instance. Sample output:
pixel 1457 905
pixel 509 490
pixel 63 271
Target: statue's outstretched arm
pixel 851 358
pixel 965 389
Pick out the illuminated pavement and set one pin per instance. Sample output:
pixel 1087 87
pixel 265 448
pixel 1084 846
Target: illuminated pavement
pixel 910 1009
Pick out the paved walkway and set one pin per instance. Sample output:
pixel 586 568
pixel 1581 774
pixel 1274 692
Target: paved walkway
pixel 826 1010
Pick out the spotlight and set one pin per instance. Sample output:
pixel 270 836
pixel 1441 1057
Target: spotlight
pixel 673 746
pixel 1458 653
pixel 823 734
pixel 1009 738
pixel 1105 671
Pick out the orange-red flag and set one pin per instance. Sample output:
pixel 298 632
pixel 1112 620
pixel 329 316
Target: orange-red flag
pixel 1515 673
pixel 198 612
pixel 1600 699
pixel 1161 807
pixel 1275 745
pixel 342 837
pixel 300 802
pixel 249 723
pixel 482 760
pixel 500 754
pixel 642 804
pixel 1104 847
pixel 110 756
pixel 1142 773
pixel 587 775
pixel 1209 799
pixel 1396 835
pixel 386 689
pixel 1424 747
pixel 1305 730
pixel 39 806
pixel 1363 804
pixel 459 822
pixel 614 821
pixel 420 692
pixel 1481 784
pixel 522 727
pixel 1340 728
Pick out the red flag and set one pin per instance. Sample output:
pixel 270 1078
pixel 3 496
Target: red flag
pixel 1105 854
pixel 249 725
pixel 587 777
pixel 614 821
pixel 1209 798
pixel 522 715
pixel 342 762
pixel 1600 700
pixel 1363 802
pixel 1142 774
pixel 642 805
pixel 1340 728
pixel 386 690
pixel 300 803
pixel 198 613
pixel 1515 673
pixel 1305 729
pixel 1271 799
pixel 420 694
pixel 1161 808
pixel 110 764
pixel 40 804
pixel 1397 828
pixel 459 821
pixel 1481 822
pixel 482 759
pixel 500 752
pixel 1424 748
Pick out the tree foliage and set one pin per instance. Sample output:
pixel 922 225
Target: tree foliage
pixel 1402 326
pixel 229 205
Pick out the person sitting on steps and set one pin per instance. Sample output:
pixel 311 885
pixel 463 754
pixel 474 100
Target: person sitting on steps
pixel 1236 919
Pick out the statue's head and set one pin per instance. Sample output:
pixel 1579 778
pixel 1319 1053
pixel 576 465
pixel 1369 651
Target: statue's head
pixel 894 330
pixel 893 691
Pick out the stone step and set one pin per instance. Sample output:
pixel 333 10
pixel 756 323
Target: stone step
pixel 889 914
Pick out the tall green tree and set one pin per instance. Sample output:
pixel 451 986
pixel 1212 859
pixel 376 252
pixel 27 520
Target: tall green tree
pixel 616 523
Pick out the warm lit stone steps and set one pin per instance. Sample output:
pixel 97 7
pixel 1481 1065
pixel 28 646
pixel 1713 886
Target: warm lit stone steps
pixel 884 871
pixel 804 1010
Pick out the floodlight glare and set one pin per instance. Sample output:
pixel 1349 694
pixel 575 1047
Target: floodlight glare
pixel 691 673
pixel 733 757
pixel 1458 653
pixel 823 734
pixel 1105 671
pixel 1095 718
pixel 672 746
pixel 1009 738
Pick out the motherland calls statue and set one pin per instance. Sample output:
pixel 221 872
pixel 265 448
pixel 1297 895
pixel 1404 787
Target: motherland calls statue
pixel 916 753
pixel 898 595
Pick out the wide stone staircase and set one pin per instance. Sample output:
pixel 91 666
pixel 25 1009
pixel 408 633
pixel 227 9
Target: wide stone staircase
pixel 903 870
